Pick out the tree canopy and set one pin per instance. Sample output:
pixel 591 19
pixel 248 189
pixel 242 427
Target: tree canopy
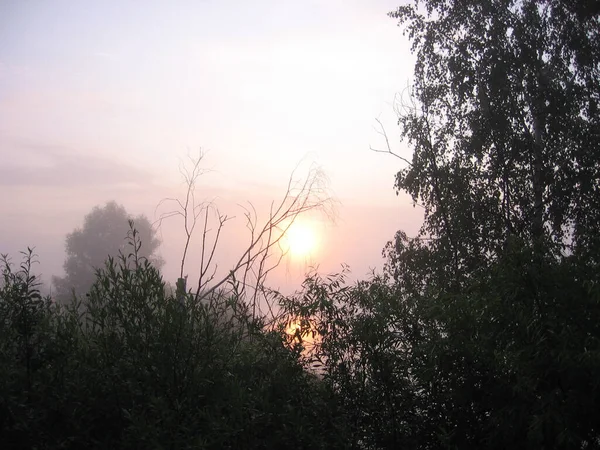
pixel 483 330
pixel 103 234
pixel 504 124
pixel 503 277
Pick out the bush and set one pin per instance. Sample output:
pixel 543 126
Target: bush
pixel 512 360
pixel 132 367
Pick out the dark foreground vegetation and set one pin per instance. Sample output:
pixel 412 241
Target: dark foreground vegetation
pixel 513 361
pixel 135 368
pixel 483 331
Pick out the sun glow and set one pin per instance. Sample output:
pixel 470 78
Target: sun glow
pixel 300 240
pixel 302 332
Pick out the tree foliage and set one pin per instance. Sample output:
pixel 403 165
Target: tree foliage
pixel 512 361
pixel 504 123
pixel 505 128
pixel 482 332
pixel 103 234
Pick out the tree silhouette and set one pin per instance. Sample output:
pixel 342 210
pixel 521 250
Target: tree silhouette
pixel 103 234
pixel 503 276
pixel 503 117
pixel 484 329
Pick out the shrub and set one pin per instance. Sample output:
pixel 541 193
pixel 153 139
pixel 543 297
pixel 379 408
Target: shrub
pixel 129 366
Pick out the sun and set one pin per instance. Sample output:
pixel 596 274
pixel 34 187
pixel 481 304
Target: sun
pixel 300 239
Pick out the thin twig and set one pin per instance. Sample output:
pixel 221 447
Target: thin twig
pixel 388 149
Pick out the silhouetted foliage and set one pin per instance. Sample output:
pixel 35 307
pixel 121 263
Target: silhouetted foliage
pixel 504 273
pixel 505 126
pixel 512 361
pixel 483 330
pixel 102 235
pixel 139 369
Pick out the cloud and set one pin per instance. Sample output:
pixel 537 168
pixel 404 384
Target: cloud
pixel 55 166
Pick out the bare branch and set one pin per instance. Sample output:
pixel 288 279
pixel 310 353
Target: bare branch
pixel 189 210
pixel 264 252
pixel 299 198
pixel 388 149
pixel 205 268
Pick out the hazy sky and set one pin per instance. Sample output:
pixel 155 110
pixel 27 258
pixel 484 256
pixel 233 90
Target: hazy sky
pixel 100 100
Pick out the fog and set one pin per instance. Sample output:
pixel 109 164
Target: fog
pixel 103 102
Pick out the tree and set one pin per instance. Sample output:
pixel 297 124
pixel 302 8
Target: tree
pixel 484 330
pixel 104 234
pixel 504 122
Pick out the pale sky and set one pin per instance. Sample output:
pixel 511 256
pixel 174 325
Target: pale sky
pixel 100 101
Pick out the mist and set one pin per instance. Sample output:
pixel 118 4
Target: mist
pixel 338 224
pixel 93 110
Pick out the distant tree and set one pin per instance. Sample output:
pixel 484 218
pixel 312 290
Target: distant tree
pixel 103 234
